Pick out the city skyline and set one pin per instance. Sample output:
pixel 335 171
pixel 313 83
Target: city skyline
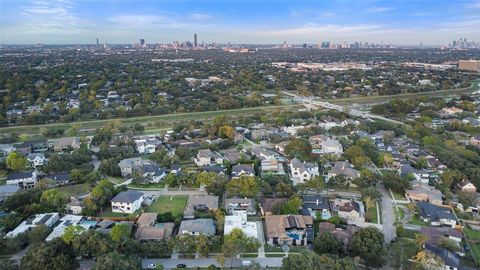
pixel 269 22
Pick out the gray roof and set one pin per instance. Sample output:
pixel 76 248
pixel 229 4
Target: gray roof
pixel 19 175
pixel 203 226
pixel 9 188
pixel 434 212
pixel 127 196
pixel 248 168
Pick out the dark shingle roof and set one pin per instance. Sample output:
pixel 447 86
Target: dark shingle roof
pixel 127 196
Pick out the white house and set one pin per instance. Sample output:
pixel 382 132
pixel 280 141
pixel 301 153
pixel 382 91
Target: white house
pixel 332 147
pixel 127 202
pixel 302 171
pixel 207 157
pixel 36 159
pixel 47 219
pixel 22 179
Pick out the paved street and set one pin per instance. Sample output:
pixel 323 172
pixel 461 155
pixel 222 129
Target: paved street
pixel 388 216
pixel 190 263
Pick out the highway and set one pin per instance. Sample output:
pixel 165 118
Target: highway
pixel 353 112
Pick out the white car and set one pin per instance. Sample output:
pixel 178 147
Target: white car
pixel 151 266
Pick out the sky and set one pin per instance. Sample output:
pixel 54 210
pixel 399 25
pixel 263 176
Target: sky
pixel 432 22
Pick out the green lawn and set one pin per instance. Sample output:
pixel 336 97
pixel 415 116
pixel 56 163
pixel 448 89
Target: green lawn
pixel 107 212
pixel 150 185
pixel 472 234
pixel 164 204
pixel 399 213
pixel 72 190
pixel 115 180
pixel 417 221
pixel 372 215
pixel 398 196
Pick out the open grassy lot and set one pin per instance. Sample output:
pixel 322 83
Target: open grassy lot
pixel 147 186
pixel 107 212
pixel 473 237
pixel 164 204
pixel 372 215
pixel 417 221
pixel 380 99
pixel 115 180
pixel 155 122
pixel 72 190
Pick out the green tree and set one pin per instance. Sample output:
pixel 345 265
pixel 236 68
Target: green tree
pixel 313 261
pixel 120 232
pixel 226 132
pixel 367 243
pixel 327 243
pixel 71 232
pixel 52 198
pixel 117 261
pixel 205 178
pixel 55 254
pixel 244 186
pixel 237 242
pixel 299 148
pixel 16 162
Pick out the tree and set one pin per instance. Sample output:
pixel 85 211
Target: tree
pixel 367 243
pixel 370 196
pixel 205 178
pixel 71 232
pixel 427 260
pixel 16 162
pixel 313 261
pixel 420 239
pixel 283 189
pixel 237 242
pixel 315 183
pixel 55 254
pixel 120 232
pixel 292 206
pixel 90 243
pixel 327 243
pixel 52 198
pixel 465 198
pixel 38 234
pixel 217 187
pixel 299 148
pixel 226 132
pixel 115 260
pixel 395 182
pixel 244 186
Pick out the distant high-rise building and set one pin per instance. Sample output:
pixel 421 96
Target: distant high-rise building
pixel 142 42
pixel 195 40
pixel 97 42
pixel 304 45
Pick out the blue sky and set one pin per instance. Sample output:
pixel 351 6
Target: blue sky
pixel 248 21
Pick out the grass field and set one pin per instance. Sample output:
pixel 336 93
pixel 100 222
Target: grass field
pixel 107 212
pixel 379 99
pixel 372 215
pixel 417 221
pixel 164 204
pixel 156 122
pixel 72 190
pixel 473 237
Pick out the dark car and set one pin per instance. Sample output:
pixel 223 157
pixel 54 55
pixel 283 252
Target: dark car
pixel 181 265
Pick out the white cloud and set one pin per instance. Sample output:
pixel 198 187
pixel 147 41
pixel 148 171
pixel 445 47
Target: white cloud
pixel 379 9
pixel 200 16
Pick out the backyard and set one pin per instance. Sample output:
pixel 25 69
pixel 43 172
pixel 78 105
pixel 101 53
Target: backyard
pixel 72 190
pixel 165 204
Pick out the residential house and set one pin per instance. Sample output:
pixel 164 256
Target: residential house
pixel 267 205
pixel 202 226
pixel 207 157
pixel 467 186
pixel 451 111
pixel 147 145
pixel 271 167
pixel 243 169
pixel 344 234
pixel 75 206
pixel 199 203
pixel 58 179
pixel 238 206
pixel 24 180
pixel 424 193
pixel 153 172
pixel 35 146
pixel 436 215
pixel 450 260
pixel 149 230
pixel 66 144
pixel 350 210
pixel 233 155
pixel 316 205
pixel 291 230
pixel 475 140
pixel 6 149
pixel 332 147
pixel 70 220
pixel 213 169
pixel 302 171
pixel 7 191
pixel 129 165
pixel 36 159
pixel 240 222
pixel 342 168
pixel 47 219
pixel 437 234
pixel 127 202
pixel 280 147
